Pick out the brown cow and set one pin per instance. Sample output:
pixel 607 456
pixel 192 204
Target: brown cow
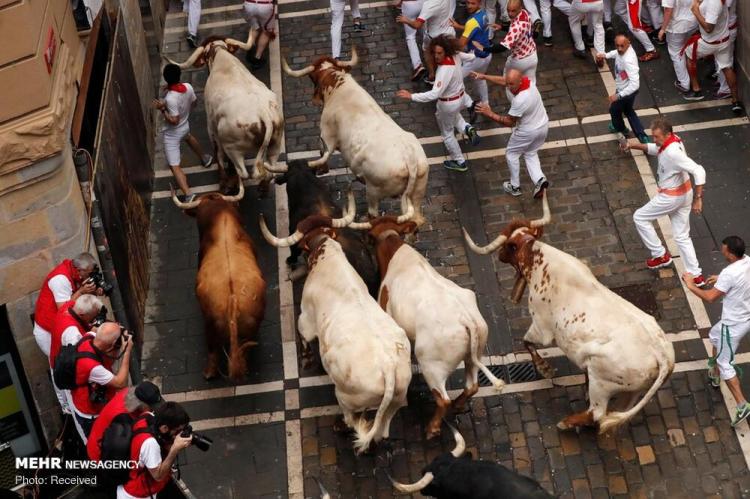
pixel 229 285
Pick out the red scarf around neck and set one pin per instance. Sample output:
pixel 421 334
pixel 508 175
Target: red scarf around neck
pixel 178 87
pixel 448 61
pixel 525 84
pixel 672 138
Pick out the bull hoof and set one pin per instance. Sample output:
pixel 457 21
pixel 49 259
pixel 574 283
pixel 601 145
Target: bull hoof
pixel 339 426
pixel 543 368
pixel 210 373
pixel 562 425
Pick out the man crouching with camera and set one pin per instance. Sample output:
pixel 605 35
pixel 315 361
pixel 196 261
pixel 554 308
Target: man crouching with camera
pixel 156 443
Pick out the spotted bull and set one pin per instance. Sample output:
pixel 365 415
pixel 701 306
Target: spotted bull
pixel 243 115
pixel 621 348
pixel 229 285
pixel 391 161
pixel 440 318
pixel 452 475
pixel 365 353
pixel 308 195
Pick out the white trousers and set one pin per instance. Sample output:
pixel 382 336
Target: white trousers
pixel 411 9
pixel 726 338
pixel 449 118
pixel 654 13
pixel 480 66
pixel 545 9
pixel 193 9
pixel 675 42
pixel 607 11
pixel 594 10
pixel 43 339
pixel 678 210
pixel 62 396
pixel 337 22
pixel 527 67
pixel 631 14
pixel 724 87
pixel 526 144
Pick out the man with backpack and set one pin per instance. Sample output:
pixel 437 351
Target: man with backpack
pixel 93 382
pixel 155 444
pixel 125 407
pixel 72 321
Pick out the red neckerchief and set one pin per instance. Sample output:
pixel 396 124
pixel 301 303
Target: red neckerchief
pixel 672 138
pixel 448 61
pixel 178 87
pixel 525 84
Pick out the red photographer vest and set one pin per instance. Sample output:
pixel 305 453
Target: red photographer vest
pixel 80 394
pixel 63 320
pixel 141 483
pixel 114 408
pixel 46 308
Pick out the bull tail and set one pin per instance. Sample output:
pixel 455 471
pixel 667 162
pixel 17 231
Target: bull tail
pixel 366 433
pixel 260 159
pixel 236 351
pixel 476 358
pixel 612 420
pixel 406 197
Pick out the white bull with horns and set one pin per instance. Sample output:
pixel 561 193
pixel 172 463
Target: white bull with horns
pixel 243 115
pixel 365 353
pixel 621 348
pixel 388 159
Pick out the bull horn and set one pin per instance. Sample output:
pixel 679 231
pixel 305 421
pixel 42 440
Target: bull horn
pixel 349 213
pixel 236 197
pixel 276 168
pixel 323 492
pixel 190 61
pixel 351 62
pixel 296 73
pixel 411 488
pixel 484 250
pixel 243 45
pixel 180 204
pixel 546 216
pixel 275 241
pixel 460 442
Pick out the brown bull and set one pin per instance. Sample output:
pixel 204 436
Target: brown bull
pixel 229 285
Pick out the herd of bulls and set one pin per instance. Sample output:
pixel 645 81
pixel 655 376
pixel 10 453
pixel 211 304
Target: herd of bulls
pixel 370 298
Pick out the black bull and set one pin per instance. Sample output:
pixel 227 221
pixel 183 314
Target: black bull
pixel 308 195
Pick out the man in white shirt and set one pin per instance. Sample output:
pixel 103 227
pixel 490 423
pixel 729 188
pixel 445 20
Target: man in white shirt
pixel 679 24
pixel 178 101
pixel 410 9
pixel 452 98
pixel 733 285
pixel 337 23
pixel 712 40
pixel 675 199
pixel 435 17
pixel 724 89
pixel 529 121
pixel 627 82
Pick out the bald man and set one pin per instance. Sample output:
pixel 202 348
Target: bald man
pixel 529 121
pixel 95 382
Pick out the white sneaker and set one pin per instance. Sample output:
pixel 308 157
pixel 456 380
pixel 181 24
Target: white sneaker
pixel 207 160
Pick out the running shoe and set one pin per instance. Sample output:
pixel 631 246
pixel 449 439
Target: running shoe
pixel 742 413
pixel 472 134
pixel 359 27
pixel 693 95
pixel 207 160
pixel 714 381
pixel 454 165
pixel 659 262
pixel 649 56
pixel 511 189
pixel 723 94
pixel 419 71
pixel 580 54
pixel 547 41
pixel 680 87
pixel 644 139
pixel 539 187
pixel 737 107
pixel 192 41
pixel 612 129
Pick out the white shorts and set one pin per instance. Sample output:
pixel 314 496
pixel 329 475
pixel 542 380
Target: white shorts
pixel 172 140
pixel 726 339
pixel 260 15
pixel 722 52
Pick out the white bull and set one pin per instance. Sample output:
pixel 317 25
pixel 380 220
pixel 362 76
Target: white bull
pixel 243 115
pixel 440 318
pixel 391 161
pixel 621 348
pixel 365 353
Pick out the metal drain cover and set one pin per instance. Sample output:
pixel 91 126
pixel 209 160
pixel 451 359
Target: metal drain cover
pixel 522 372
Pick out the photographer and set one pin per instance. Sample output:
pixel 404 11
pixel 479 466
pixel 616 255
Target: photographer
pixel 66 282
pixel 95 382
pixel 72 321
pixel 156 451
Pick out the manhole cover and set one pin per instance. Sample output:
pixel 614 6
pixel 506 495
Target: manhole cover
pixel 641 296
pixel 522 372
pixel 499 371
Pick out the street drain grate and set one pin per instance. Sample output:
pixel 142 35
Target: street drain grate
pixel 522 372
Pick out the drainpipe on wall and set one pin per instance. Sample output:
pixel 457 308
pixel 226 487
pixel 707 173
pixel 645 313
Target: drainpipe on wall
pixel 84 167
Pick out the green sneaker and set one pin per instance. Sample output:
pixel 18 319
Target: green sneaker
pixel 612 129
pixel 472 134
pixel 713 375
pixel 644 139
pixel 454 165
pixel 741 414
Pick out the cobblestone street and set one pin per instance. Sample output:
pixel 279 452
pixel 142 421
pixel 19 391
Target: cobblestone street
pixel 273 432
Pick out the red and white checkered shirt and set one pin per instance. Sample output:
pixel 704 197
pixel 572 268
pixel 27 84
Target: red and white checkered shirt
pixel 520 37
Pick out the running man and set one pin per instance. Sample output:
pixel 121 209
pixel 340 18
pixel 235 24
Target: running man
pixel 410 9
pixel 337 23
pixel 435 17
pixel 475 39
pixel 260 15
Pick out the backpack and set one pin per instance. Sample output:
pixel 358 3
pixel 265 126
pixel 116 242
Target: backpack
pixel 115 446
pixel 64 372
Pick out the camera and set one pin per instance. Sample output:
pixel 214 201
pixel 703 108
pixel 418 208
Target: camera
pixel 97 278
pixel 124 334
pixel 200 441
pixel 100 318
